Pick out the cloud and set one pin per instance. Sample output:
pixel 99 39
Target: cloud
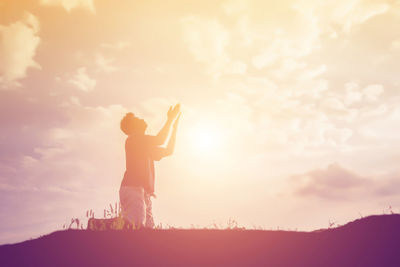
pixel 338 183
pixel 353 93
pixel 390 188
pixel 347 14
pixel 18 45
pixel 82 80
pixel 104 64
pixel 70 4
pixel 206 39
pixel 73 150
pixel 68 168
pixel 350 13
pixel 372 92
pixel 334 182
pixel 279 38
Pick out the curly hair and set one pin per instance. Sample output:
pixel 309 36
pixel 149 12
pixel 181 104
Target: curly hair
pixel 127 123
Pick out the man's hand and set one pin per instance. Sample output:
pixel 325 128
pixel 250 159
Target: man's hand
pixel 173 112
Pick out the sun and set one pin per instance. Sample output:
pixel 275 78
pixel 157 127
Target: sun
pixel 206 139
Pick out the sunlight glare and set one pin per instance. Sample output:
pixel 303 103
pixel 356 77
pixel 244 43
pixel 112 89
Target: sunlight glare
pixel 206 139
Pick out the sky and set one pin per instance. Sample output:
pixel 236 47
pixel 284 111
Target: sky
pixel 290 110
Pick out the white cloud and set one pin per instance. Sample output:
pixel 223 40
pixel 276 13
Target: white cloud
pixel 70 4
pixel 333 103
pixel 207 40
pixel 312 73
pixel 373 92
pixel 18 45
pixel 82 80
pixel 353 93
pixel 349 13
pixel 105 64
pixel 346 13
pixel 264 59
pixel 292 39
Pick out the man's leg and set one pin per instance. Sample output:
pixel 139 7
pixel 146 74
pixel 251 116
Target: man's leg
pixel 133 205
pixel 149 211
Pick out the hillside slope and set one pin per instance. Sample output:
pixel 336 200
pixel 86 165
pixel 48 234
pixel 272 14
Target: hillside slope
pixel 371 241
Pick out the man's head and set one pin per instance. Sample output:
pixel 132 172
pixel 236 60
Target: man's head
pixel 131 124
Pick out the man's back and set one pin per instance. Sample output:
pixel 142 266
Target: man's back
pixel 139 164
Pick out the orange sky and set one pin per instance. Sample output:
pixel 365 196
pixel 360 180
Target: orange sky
pixel 290 109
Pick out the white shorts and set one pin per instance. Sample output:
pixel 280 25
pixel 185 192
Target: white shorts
pixel 136 206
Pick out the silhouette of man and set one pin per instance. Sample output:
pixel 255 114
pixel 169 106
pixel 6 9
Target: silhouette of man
pixel 141 151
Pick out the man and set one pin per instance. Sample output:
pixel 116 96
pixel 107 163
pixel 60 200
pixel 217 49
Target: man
pixel 141 151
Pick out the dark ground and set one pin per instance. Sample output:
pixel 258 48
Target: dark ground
pixel 371 241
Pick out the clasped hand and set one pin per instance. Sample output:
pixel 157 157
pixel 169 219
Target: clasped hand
pixel 173 112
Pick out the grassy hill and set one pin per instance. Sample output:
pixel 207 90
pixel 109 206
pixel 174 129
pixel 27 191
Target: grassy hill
pixel 370 241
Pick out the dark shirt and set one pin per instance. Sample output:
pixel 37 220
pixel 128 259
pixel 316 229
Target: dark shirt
pixel 140 153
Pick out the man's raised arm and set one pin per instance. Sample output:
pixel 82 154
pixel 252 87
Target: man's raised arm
pixel 171 143
pixel 161 152
pixel 162 135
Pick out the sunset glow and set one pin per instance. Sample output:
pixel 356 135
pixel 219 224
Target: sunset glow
pixel 206 140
